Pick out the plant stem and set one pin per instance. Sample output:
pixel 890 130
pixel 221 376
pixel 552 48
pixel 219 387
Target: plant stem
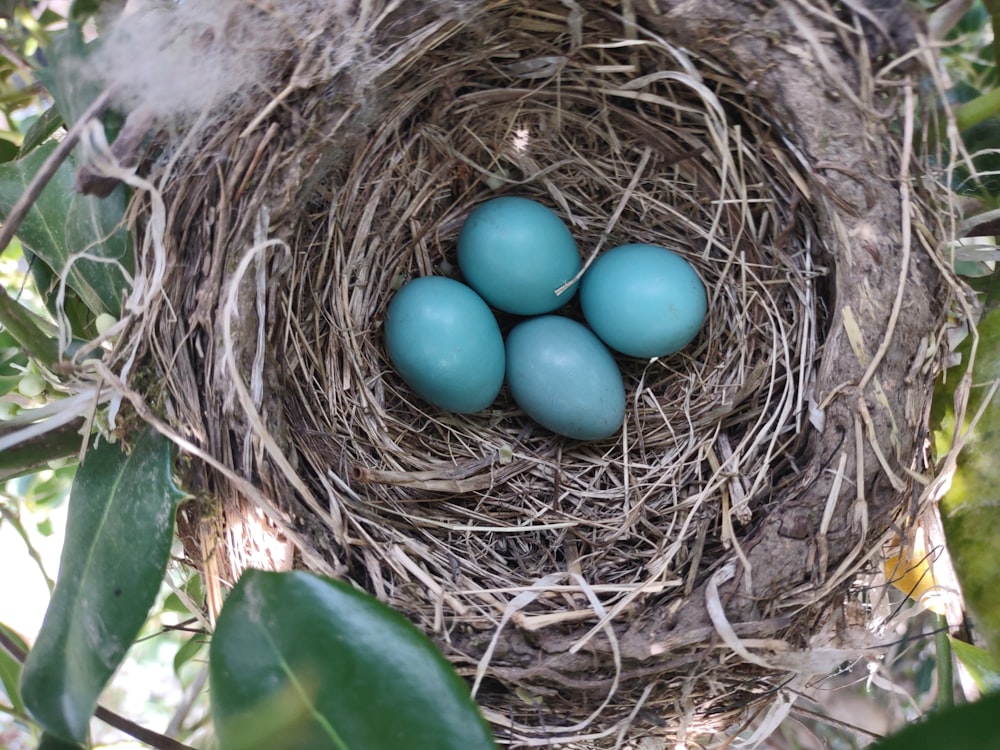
pixel 14 317
pixel 36 452
pixel 151 738
pixel 14 520
pixel 946 679
pixel 12 222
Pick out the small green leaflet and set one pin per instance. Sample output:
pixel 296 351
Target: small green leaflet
pixel 305 663
pixel 62 223
pixel 981 665
pixel 118 536
pixel 970 510
pixel 188 650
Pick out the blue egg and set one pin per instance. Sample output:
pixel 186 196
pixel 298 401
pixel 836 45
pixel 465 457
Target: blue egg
pixel 643 300
pixel 445 343
pixel 516 253
pixel 565 378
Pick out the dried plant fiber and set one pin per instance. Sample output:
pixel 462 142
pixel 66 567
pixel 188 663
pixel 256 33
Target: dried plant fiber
pixel 657 587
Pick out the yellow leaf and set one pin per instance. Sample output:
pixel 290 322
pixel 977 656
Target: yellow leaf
pixel 913 570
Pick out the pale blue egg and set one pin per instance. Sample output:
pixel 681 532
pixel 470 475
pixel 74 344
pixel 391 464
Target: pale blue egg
pixel 445 343
pixel 516 253
pixel 643 300
pixel 565 378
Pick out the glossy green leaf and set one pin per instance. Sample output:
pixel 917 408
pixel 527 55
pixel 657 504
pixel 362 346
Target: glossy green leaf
pixel 322 665
pixel 62 223
pixel 118 535
pixel 10 668
pixel 970 509
pixel 972 726
pixel 980 664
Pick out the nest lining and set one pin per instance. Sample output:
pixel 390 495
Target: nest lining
pixel 449 517
pixel 531 559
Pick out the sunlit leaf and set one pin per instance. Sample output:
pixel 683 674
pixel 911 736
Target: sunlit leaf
pixel 305 663
pixel 118 535
pixel 980 664
pixel 970 509
pixel 912 570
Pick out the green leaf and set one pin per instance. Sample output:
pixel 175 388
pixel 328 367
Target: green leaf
pixel 306 663
pixel 67 56
pixel 982 667
pixel 12 358
pixel 967 727
pixel 118 535
pixel 971 507
pixel 49 742
pixel 61 223
pixel 74 93
pixel 188 650
pixel 195 593
pixel 8 150
pixel 44 126
pixel 10 668
pixel 77 313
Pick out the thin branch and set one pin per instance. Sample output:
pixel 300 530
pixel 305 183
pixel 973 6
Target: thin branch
pixel 12 647
pixel 12 222
pixel 830 721
pixel 14 520
pixel 151 738
pixel 17 320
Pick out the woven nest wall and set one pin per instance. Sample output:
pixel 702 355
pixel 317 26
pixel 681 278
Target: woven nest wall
pixel 663 583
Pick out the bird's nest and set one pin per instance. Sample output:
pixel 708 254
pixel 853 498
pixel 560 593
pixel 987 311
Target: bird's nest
pixel 656 584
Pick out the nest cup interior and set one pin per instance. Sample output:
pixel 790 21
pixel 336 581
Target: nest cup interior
pixel 467 523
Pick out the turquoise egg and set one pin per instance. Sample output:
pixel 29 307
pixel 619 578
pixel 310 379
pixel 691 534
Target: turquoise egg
pixel 516 253
pixel 643 300
pixel 445 343
pixel 565 378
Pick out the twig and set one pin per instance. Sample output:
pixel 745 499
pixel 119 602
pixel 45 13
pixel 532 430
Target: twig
pixel 151 738
pixel 16 319
pixel 831 721
pixel 12 222
pixel 14 520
